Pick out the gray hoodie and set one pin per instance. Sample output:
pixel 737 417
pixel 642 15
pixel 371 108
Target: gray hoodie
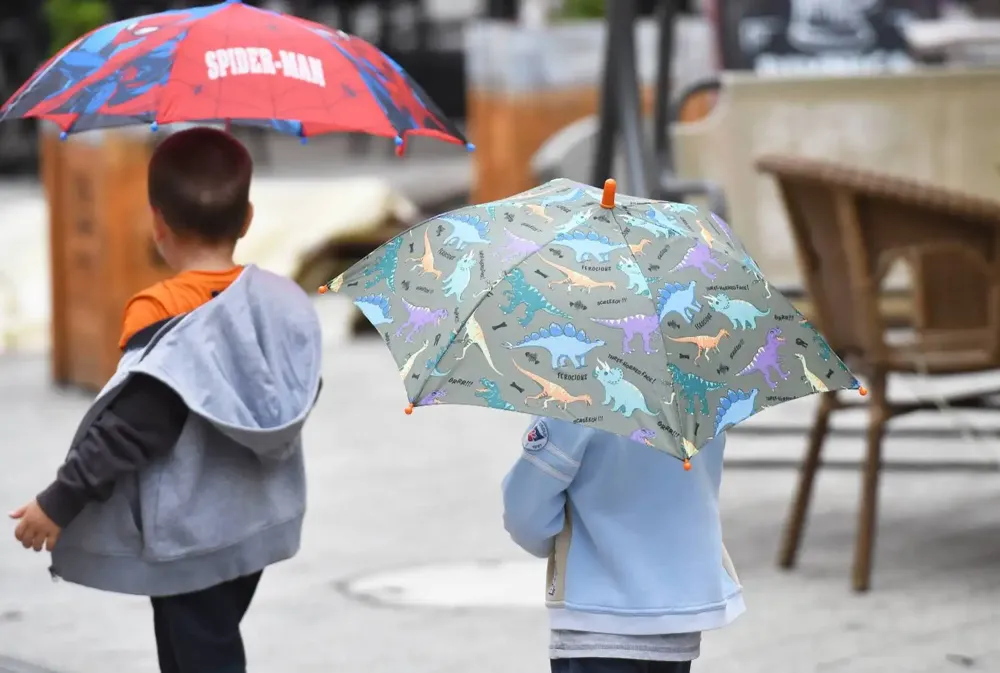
pixel 230 498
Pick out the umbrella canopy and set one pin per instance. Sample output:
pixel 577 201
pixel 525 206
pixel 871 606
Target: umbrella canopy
pixel 229 62
pixel 647 319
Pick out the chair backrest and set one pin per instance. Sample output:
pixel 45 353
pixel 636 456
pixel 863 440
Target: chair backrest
pixel 850 226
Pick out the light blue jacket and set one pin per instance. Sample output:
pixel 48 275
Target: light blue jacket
pixel 633 540
pixel 230 498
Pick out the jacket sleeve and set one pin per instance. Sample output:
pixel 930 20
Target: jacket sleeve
pixel 534 491
pixel 142 423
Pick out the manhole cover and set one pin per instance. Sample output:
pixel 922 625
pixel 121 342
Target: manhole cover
pixel 504 584
pixel 8 665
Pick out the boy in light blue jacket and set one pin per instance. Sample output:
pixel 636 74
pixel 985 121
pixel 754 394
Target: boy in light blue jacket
pixel 637 569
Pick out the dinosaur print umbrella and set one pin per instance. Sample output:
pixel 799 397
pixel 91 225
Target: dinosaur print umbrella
pixel 647 319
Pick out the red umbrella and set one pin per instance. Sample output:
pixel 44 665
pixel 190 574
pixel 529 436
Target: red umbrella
pixel 234 63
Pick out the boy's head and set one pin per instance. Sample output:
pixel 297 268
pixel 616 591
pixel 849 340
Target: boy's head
pixel 199 190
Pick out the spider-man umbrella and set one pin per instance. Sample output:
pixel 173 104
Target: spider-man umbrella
pixel 232 63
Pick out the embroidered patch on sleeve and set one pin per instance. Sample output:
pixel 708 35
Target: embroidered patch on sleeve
pixel 536 437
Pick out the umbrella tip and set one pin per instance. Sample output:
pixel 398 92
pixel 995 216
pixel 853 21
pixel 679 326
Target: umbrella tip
pixel 154 127
pixel 304 140
pixel 63 135
pixel 687 465
pixel 408 410
pixel 608 199
pixel 470 147
pixel 323 289
pixel 863 391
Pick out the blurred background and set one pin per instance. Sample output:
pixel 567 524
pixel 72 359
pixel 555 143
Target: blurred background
pixel 851 144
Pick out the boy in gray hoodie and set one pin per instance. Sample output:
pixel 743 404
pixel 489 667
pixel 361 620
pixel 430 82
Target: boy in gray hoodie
pixel 185 478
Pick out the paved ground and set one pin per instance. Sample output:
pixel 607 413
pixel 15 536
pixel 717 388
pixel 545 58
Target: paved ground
pixel 395 493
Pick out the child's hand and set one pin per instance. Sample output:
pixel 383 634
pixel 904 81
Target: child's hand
pixel 36 529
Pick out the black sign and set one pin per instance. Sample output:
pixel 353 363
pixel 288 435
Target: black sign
pixel 817 36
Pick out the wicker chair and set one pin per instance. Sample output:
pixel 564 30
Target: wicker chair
pixel 850 226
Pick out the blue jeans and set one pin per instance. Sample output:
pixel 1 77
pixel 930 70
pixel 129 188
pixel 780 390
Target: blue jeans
pixel 584 665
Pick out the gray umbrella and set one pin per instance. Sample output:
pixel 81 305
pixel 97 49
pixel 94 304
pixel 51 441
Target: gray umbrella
pixel 644 318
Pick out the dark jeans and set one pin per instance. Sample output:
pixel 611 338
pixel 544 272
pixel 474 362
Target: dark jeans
pixel 200 632
pixel 618 666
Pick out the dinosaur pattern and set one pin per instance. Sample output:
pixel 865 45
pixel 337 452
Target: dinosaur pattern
pixel 523 292
pixel 420 318
pixel 384 266
pixel 646 319
pixel 742 314
pixel 735 407
pixel 767 360
pixel 490 392
pixel 680 299
pixel 700 257
pixel 565 344
pixel 589 246
pixel 466 230
pixel 456 283
pixel 637 280
pixel 620 394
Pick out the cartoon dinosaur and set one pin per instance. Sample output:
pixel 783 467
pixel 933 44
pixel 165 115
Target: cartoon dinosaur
pixel 575 278
pixel 622 395
pixel 750 266
pixel 433 362
pixel 645 325
pixel 643 436
pixel 815 382
pixel 433 397
pixel 516 248
pixel 420 318
pixel 578 220
pixel 700 257
pixel 404 371
pixel 681 208
pixel 564 343
pixel 706 343
pixel 426 262
pixel 741 313
pixel 692 387
pixel 589 246
pixel 657 223
pixel 638 248
pixel 538 210
pixel 465 230
pixel 376 308
pixel 553 392
pixel 637 280
pixel 522 292
pixel 679 299
pixel 456 284
pixel 562 196
pixel 735 407
pixel 768 359
pixel 384 267
pixel 474 337
pixel 490 392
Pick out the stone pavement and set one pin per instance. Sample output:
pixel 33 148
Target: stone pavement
pixel 418 497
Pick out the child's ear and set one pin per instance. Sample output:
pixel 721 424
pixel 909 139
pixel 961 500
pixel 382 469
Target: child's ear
pixel 159 226
pixel 246 225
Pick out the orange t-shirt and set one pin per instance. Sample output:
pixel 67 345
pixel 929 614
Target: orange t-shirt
pixel 184 292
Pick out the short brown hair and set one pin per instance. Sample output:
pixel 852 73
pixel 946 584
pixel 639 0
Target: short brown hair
pixel 199 181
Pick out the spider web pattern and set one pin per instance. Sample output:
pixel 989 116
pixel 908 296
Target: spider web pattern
pixel 365 91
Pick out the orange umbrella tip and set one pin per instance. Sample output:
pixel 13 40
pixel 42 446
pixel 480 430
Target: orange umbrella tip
pixel 323 289
pixel 408 410
pixel 687 465
pixel 863 391
pixel 608 199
